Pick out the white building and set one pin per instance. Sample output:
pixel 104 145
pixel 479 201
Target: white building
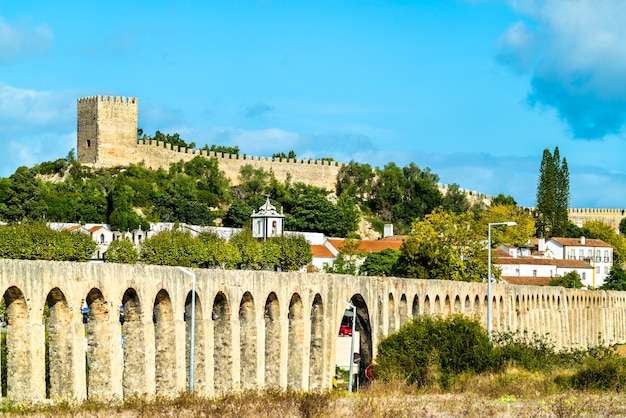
pixel 595 252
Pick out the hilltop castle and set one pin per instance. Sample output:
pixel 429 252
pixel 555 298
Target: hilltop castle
pixel 107 137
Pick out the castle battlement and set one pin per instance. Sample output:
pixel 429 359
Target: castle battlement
pixel 110 99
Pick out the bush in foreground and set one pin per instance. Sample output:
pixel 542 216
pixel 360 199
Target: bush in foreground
pixel 432 349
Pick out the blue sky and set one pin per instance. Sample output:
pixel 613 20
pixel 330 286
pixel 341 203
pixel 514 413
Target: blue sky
pixel 473 89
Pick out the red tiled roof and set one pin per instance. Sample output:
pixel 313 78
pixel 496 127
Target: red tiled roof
pixel 527 280
pixel 73 228
pixel 367 246
pixel 575 242
pixel 321 251
pixel 95 228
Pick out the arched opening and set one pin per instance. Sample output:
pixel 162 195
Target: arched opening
pixel 457 304
pixel 272 341
pixel 59 347
pixel 467 308
pixel 296 343
pixel 391 324
pixel 416 307
pixel 316 360
pixel 222 343
pixel 18 375
pixel 437 306
pixel 448 306
pixel 363 327
pixel 99 345
pixel 403 309
pixel 199 378
pixel 248 341
pixel 133 343
pixel 427 309
pixel 477 310
pixel 165 344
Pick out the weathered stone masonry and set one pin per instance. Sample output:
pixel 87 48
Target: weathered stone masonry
pixel 253 329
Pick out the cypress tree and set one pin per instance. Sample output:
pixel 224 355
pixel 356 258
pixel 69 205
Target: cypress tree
pixel 552 195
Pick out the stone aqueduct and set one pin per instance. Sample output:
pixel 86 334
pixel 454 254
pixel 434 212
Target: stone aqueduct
pixel 253 328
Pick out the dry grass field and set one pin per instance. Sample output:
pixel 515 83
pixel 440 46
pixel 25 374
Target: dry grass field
pixel 485 399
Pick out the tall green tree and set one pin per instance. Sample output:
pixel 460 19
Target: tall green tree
pixel 553 195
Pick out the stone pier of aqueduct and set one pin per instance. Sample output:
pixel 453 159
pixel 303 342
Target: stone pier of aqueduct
pixel 253 328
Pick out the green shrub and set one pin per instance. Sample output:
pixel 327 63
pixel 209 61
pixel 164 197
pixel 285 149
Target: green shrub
pixel 431 349
pixel 531 352
pixel 606 372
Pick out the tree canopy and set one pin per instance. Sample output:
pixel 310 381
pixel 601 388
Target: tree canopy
pixel 444 246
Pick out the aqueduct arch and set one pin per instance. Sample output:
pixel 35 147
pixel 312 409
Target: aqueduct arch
pixel 252 329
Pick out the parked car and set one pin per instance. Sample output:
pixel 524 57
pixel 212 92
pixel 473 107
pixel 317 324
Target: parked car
pixel 345 330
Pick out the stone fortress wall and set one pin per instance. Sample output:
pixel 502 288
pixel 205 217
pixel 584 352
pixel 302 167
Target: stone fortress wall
pixel 107 137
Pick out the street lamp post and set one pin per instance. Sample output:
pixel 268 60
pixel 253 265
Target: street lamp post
pixel 489 325
pixel 351 306
pixel 193 325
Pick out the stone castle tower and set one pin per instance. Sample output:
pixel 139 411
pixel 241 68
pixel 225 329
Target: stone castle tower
pixel 107 130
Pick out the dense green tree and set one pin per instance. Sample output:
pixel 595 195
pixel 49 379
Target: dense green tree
pixel 444 246
pixel 383 263
pixel 220 253
pixel 23 197
pixel 552 195
pixel 174 248
pixel 35 241
pixel 569 280
pixel 501 199
pixel 308 209
pixel 238 214
pixel 122 251
pixel 356 180
pixel 282 155
pixel 294 252
pixel 253 181
pixel 255 255
pixel 176 208
pixel 616 279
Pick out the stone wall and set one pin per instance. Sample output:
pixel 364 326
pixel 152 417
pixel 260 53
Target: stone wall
pixel 252 328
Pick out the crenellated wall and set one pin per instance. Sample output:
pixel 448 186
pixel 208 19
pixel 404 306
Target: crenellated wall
pixel 578 216
pixel 252 328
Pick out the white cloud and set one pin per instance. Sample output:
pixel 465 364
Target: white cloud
pixel 21 39
pixel 575 51
pixel 23 110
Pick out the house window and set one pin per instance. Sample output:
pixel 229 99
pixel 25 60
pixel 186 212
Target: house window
pixel 584 275
pixel 606 256
pixel 606 269
pixel 101 238
pixel 534 273
pixel 581 254
pixel 517 271
pixel 598 269
pixel 572 254
pixel 598 255
pixel 590 254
